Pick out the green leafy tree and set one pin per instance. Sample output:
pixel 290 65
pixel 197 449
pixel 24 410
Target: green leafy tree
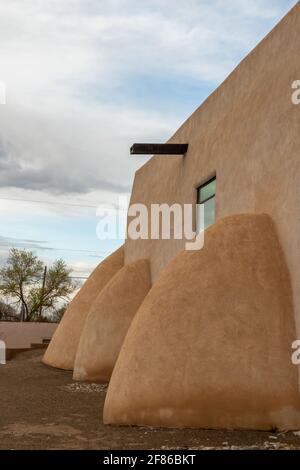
pixel 22 281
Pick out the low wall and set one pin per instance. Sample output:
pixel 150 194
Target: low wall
pixel 20 335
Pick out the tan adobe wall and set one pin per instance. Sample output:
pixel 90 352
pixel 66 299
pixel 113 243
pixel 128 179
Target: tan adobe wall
pixel 61 351
pixel 210 346
pixel 108 322
pixel 21 335
pixel 247 133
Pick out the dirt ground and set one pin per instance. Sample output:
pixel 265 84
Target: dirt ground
pixel 42 408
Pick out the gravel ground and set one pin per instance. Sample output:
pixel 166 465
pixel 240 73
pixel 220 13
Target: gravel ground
pixel 42 408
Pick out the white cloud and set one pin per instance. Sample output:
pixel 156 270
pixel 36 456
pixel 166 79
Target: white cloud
pixel 82 268
pixel 63 62
pixel 71 68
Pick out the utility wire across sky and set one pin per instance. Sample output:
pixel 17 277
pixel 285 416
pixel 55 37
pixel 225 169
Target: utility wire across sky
pixel 87 205
pixel 57 203
pixel 95 253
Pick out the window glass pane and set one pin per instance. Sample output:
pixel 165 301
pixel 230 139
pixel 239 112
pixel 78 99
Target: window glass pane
pixel 206 205
pixel 198 219
pixel 209 212
pixel 207 191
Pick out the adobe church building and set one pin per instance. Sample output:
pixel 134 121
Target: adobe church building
pixel 204 338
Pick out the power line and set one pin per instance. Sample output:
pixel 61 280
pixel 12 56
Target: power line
pixel 95 253
pixel 89 205
pixel 78 277
pixel 57 203
pixel 68 249
pixel 71 277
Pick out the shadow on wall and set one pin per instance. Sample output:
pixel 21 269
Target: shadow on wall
pixel 63 347
pixel 210 346
pixel 108 321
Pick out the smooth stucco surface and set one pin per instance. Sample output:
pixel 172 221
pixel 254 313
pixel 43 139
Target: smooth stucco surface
pixel 211 344
pixel 62 349
pixel 247 134
pixel 21 335
pixel 108 322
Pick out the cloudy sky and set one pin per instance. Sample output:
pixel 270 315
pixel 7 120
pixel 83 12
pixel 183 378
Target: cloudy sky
pixel 84 80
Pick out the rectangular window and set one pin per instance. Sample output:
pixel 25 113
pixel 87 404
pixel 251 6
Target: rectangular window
pixel 206 198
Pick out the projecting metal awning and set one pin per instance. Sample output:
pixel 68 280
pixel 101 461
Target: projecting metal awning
pixel 159 149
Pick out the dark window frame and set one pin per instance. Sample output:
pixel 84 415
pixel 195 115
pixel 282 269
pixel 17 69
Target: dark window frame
pixel 205 201
pixel 214 178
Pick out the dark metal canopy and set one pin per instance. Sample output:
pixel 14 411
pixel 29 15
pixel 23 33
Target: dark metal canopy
pixel 158 149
